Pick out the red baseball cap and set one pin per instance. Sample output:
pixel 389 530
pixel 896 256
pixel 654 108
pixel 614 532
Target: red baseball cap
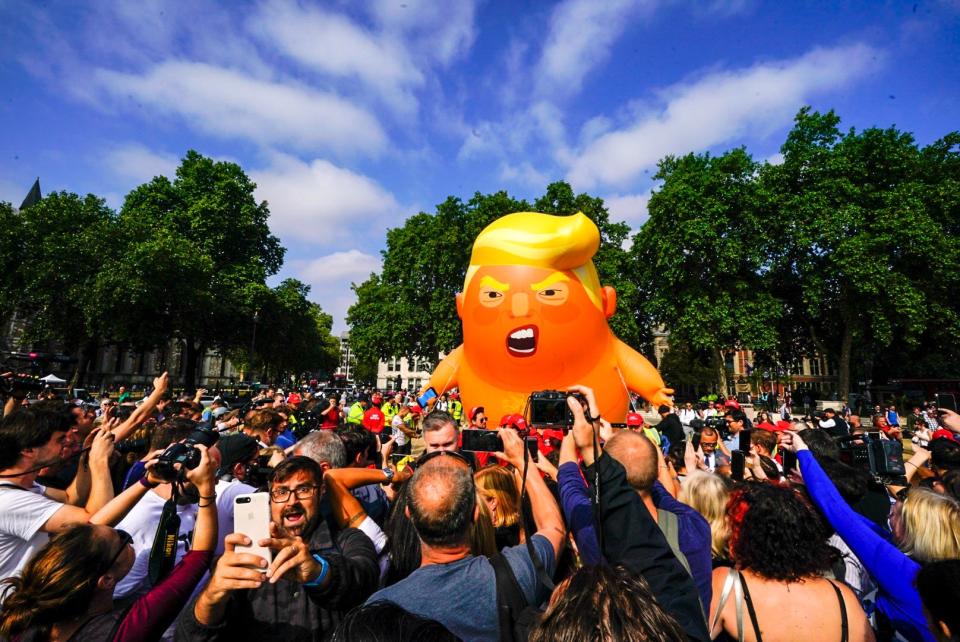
pixel 415 408
pixel 377 399
pixel 294 399
pixel 943 433
pixel 634 419
pixel 781 426
pixel 514 421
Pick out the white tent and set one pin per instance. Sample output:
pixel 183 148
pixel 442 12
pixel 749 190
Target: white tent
pixel 52 378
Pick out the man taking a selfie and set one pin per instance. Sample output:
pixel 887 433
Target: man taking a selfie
pixel 311 581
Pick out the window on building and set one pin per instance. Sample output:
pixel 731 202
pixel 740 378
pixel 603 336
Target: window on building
pixel 815 366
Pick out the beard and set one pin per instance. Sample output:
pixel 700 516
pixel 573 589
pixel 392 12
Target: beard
pixel 295 522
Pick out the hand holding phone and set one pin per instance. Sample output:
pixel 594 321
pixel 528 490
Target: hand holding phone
pixel 251 517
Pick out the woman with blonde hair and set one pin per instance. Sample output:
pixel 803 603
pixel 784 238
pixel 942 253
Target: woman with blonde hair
pixel 707 494
pixel 927 525
pixel 498 487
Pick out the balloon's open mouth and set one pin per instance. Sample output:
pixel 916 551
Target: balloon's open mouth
pixel 522 342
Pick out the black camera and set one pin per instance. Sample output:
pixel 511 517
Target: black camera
pixel 19 385
pixel 183 453
pixel 882 458
pixel 548 409
pixel 257 473
pixel 489 441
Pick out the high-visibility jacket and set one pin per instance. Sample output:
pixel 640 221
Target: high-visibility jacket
pixel 456 410
pixel 355 415
pixel 389 410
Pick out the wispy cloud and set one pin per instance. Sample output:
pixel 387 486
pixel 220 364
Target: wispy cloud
pixel 138 163
pixel 321 203
pixel 718 108
pixel 334 45
pixel 630 208
pixel 439 32
pixel 231 104
pixel 580 37
pixel 329 278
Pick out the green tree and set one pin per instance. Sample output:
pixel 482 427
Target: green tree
pixel 12 251
pixel 699 258
pixel 197 253
pixel 865 257
pixel 294 334
pixel 684 367
pixel 65 238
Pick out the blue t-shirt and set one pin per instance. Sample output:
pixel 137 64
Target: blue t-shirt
pixel 462 595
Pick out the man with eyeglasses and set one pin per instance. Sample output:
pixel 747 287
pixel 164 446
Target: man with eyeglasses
pixel 312 580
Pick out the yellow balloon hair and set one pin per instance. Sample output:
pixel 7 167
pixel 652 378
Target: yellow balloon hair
pixel 540 240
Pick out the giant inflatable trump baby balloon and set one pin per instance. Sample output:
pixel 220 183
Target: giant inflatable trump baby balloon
pixel 535 318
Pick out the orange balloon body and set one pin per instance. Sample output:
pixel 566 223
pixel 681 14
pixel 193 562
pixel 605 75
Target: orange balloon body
pixel 528 328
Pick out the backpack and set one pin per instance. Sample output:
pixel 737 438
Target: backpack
pixel 515 616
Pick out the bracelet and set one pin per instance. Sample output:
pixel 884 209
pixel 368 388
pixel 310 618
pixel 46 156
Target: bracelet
pixel 211 503
pixel 910 463
pixel 146 483
pixel 324 569
pixel 214 496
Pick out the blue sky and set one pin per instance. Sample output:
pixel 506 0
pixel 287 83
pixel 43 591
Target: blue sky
pixel 351 116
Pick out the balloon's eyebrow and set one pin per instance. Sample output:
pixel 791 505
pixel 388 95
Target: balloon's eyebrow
pixel 489 281
pixel 550 280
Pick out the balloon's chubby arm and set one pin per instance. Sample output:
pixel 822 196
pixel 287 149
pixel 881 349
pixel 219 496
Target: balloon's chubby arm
pixel 641 376
pixel 444 376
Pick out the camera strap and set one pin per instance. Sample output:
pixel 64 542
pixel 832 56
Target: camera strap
pixel 542 575
pixel 163 554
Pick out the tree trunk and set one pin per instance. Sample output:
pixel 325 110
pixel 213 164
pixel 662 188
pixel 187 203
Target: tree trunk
pixel 721 371
pixel 843 373
pixel 190 371
pixel 86 354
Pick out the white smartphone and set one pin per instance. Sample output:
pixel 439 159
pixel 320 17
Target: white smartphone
pixel 251 516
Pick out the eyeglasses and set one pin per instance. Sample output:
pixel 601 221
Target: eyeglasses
pixel 281 494
pixel 482 420
pixel 125 538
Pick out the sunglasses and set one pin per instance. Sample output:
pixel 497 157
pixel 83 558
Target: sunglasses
pixel 441 453
pixel 125 539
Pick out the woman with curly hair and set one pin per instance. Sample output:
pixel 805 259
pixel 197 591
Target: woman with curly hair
pixel 780 553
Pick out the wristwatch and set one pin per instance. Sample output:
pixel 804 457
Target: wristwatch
pixel 389 473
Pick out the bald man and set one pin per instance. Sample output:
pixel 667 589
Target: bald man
pixel 691 539
pixel 452 586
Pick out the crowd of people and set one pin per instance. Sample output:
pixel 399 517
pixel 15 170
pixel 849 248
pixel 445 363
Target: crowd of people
pixel 122 522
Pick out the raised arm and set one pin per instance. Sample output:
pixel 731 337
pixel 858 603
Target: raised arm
pixel 141 412
pixel 444 376
pixel 640 375
pixel 546 513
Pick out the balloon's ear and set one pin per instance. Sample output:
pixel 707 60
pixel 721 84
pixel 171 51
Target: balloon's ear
pixel 460 304
pixel 608 297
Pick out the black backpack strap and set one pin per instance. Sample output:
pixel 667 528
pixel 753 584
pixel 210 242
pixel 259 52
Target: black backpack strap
pixel 510 598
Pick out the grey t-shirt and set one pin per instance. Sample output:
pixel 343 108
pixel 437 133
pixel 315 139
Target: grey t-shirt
pixel 462 595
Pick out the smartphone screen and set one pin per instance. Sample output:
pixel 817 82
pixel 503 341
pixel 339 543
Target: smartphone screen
pixel 745 441
pixel 789 461
pixel 695 440
pixel 946 401
pixel 251 516
pixel 481 440
pixel 425 398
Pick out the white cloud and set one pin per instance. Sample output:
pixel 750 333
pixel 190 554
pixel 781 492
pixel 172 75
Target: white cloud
pixel 334 45
pixel 525 174
pixel 230 104
pixel 438 31
pixel 320 202
pixel 774 159
pixel 139 164
pixel 630 208
pixel 349 266
pixel 717 108
pixel 330 276
pixel 581 35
